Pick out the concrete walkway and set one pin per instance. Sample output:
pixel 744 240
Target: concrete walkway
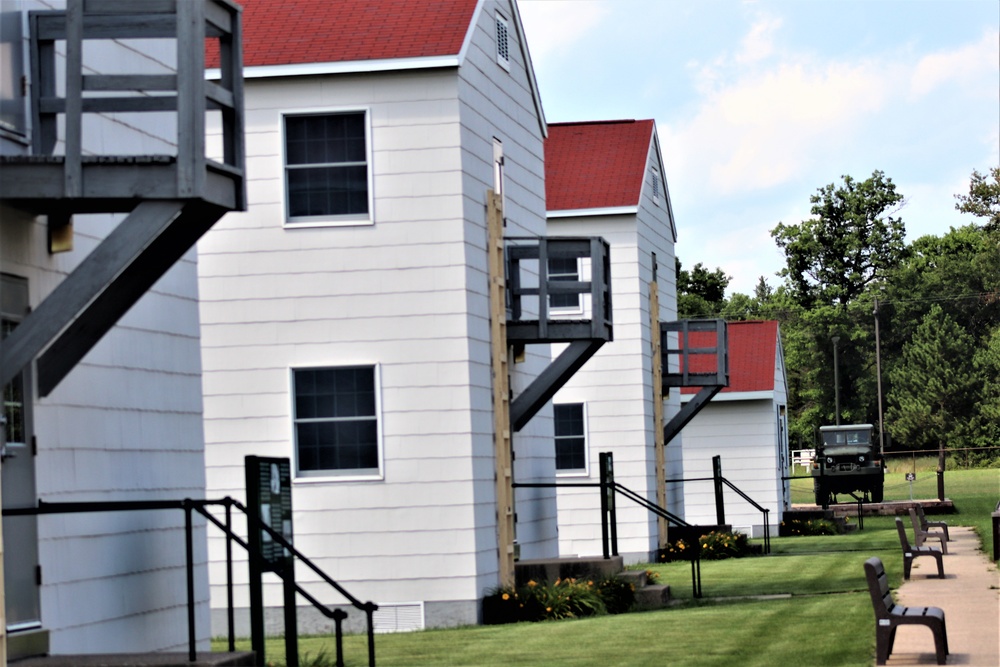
pixel 970 598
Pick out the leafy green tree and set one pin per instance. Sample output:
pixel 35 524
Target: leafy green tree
pixel 934 385
pixel 983 200
pixel 984 424
pixel 700 292
pixel 850 243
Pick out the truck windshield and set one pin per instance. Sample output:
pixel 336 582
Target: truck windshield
pixel 846 438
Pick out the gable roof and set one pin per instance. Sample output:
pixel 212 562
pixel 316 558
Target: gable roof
pixel 295 32
pixel 753 350
pixel 596 165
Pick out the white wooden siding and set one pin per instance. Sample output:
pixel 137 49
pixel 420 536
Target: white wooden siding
pixel 125 424
pixel 616 384
pixel 408 293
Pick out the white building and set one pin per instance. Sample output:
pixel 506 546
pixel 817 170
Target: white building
pixel 747 426
pixel 607 179
pixel 120 421
pixel 346 315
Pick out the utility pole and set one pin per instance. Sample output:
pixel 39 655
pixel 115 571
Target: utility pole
pixel 878 381
pixel 836 381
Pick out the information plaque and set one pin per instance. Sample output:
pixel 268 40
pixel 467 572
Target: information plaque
pixel 269 494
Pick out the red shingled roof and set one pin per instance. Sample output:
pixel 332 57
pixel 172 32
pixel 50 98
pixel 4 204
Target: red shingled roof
pixel 752 349
pixel 596 164
pixel 290 32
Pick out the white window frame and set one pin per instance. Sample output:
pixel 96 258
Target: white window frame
pixel 568 310
pixel 655 175
pixel 502 35
pixel 347 475
pixel 574 472
pixel 342 220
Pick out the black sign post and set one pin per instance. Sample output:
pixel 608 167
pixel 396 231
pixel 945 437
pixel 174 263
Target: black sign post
pixel 269 499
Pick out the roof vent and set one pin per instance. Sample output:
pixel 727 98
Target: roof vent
pixel 503 43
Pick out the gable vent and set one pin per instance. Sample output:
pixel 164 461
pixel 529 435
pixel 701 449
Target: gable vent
pixel 399 617
pixel 503 42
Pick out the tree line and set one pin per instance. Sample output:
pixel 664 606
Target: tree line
pixel 924 316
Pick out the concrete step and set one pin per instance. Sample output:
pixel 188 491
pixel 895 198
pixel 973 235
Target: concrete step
pixel 652 596
pixel 550 569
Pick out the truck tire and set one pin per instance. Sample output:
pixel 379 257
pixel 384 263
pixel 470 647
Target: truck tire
pixel 821 494
pixel 876 493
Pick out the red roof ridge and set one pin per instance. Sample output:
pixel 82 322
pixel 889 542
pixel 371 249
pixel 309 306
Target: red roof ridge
pixel 596 164
pixel 298 32
pixel 600 122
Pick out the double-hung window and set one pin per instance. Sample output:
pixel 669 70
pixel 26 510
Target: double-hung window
pixel 336 421
pixel 568 269
pixel 327 173
pixel 571 438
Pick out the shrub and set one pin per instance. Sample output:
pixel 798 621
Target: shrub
pixel 713 546
pixel 718 546
pixel 794 527
pixel 566 598
pixel 618 595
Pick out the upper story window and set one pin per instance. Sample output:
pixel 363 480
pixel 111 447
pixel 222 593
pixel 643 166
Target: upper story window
pixel 336 421
pixel 564 268
pixel 327 172
pixel 654 174
pixel 503 41
pixel 571 438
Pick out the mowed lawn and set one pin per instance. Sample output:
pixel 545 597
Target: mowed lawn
pixel 806 603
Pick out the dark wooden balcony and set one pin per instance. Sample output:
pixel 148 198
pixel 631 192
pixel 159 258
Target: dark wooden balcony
pixel 546 306
pixel 172 199
pixel 694 353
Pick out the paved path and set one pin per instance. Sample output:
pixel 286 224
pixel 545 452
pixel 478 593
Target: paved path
pixel 970 597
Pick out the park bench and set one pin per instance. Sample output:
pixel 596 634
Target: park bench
pixel 921 535
pixel 889 615
pixel 911 552
pixel 927 525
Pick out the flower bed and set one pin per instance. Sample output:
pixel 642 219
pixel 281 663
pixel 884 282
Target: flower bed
pixel 566 598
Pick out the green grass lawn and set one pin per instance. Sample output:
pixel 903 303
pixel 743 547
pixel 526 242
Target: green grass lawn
pixel 824 616
pixel 974 492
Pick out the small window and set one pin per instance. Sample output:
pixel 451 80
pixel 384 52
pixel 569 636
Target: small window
pixel 655 177
pixel 13 399
pixel 568 269
pixel 336 421
pixel 326 167
pixel 12 99
pixel 503 42
pixel 571 440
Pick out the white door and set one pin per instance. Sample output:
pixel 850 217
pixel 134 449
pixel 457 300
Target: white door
pixel 20 533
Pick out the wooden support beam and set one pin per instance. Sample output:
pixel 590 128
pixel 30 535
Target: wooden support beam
pixel 658 442
pixel 503 448
pixel 690 409
pixel 549 381
pixel 88 302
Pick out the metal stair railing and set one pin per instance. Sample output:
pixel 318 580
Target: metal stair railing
pixel 337 615
pixel 189 506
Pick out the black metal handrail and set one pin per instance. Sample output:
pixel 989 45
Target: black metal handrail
pixel 651 506
pixel 189 505
pixel 337 615
pixel 763 510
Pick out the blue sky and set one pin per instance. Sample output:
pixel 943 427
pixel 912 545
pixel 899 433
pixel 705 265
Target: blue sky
pixel 760 103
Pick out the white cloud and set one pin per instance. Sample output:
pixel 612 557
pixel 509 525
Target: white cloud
pixel 759 42
pixel 556 25
pixel 969 64
pixel 763 129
